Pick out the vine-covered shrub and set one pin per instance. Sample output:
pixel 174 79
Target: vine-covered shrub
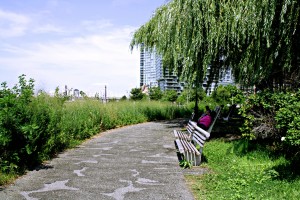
pixel 274 116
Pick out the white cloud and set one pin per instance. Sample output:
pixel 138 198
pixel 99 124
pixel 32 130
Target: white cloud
pixel 97 25
pixel 47 28
pixel 61 44
pixel 12 24
pixel 53 3
pixel 79 62
pixel 125 2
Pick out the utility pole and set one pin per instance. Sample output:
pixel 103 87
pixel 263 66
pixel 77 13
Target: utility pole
pixel 105 94
pixel 66 91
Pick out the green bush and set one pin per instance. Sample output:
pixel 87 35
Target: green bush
pixel 170 95
pixel 228 94
pixel 189 95
pixel 275 117
pixel 155 93
pixel 15 127
pixel 42 129
pixel 136 94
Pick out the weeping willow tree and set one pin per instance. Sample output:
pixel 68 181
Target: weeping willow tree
pixel 258 39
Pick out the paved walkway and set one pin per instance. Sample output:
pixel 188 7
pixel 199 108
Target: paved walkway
pixel 134 162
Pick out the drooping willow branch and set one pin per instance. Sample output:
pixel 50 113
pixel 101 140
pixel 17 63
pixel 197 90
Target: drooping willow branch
pixel 258 39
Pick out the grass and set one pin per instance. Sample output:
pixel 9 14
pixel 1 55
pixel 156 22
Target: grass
pixel 239 174
pixel 7 178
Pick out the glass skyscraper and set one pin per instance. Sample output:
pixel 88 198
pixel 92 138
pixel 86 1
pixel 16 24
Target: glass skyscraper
pixel 152 74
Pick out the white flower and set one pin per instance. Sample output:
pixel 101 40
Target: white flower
pixel 282 138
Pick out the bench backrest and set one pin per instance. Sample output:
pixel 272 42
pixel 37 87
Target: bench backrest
pixel 193 128
pixel 190 128
pixel 200 135
pixel 217 111
pixel 231 110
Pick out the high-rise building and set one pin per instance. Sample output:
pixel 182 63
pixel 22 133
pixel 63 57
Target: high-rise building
pixel 152 73
pixel 148 66
pixel 142 65
pixel 225 78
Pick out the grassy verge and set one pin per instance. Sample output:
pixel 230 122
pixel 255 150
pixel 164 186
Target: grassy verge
pixel 239 174
pixel 7 178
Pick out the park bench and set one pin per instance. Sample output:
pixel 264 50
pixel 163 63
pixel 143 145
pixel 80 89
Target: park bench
pixel 190 143
pixel 192 149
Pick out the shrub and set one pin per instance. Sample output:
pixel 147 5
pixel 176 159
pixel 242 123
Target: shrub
pixel 136 94
pixel 274 116
pixel 228 94
pixel 14 133
pixel 189 95
pixel 155 93
pixel 170 95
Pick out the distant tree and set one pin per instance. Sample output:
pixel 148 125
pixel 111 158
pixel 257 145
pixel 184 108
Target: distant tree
pixel 221 95
pixel 184 97
pixel 123 98
pixel 97 96
pixel 189 95
pixel 56 93
pixel 170 95
pixel 155 93
pixel 136 94
pixel 228 94
pixel 114 99
pixel 82 93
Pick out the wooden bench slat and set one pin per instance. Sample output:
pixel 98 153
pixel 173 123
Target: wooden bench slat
pixel 199 135
pixel 185 145
pixel 181 135
pixel 175 133
pixel 179 145
pixel 187 135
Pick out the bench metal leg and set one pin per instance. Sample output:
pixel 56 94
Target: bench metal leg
pixel 198 157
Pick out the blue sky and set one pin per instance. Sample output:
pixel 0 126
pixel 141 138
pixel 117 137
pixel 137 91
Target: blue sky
pixel 83 44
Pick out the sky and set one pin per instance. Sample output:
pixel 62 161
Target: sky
pixel 83 44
